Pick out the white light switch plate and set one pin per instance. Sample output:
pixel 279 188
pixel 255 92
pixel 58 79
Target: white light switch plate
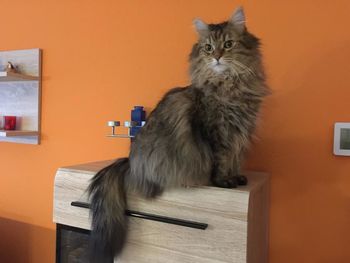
pixel 341 144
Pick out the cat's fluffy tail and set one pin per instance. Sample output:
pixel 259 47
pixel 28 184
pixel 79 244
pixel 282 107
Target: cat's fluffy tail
pixel 108 203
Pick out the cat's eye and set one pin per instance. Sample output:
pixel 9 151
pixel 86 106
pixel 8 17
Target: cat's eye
pixel 208 48
pixel 228 44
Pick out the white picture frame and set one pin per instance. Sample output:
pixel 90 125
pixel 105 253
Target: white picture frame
pixel 341 129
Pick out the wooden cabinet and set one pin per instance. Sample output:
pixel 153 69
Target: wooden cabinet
pixel 236 219
pixel 20 95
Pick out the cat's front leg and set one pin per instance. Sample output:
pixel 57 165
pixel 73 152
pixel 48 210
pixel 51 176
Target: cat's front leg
pixel 222 173
pixel 226 171
pixel 235 171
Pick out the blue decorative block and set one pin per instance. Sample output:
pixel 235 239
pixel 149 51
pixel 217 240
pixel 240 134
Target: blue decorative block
pixel 138 115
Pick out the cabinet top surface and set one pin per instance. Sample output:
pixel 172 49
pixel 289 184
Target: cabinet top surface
pixel 255 179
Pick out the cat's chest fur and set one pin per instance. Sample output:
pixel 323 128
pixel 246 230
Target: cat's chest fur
pixel 228 109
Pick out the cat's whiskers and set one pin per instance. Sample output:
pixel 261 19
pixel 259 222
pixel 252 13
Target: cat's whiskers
pixel 245 68
pixel 236 74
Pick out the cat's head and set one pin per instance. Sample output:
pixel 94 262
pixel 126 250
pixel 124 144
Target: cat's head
pixel 224 51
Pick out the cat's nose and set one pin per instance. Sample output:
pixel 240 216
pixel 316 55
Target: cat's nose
pixel 217 54
pixel 217 57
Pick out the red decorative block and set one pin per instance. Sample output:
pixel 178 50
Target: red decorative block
pixel 9 122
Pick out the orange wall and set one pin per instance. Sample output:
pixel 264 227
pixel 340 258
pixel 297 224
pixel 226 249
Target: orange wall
pixel 102 57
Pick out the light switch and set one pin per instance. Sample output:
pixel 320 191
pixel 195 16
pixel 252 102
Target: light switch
pixel 342 138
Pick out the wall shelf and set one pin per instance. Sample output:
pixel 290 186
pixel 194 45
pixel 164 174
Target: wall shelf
pixel 15 133
pixel 12 76
pixel 20 95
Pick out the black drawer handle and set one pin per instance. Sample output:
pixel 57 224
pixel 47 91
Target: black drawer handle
pixel 147 216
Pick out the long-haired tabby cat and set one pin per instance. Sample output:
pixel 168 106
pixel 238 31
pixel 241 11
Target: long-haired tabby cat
pixel 195 135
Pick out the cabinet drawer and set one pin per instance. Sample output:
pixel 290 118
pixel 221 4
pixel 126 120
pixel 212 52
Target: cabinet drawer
pixel 224 239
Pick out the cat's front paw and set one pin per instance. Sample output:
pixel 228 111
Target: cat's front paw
pixel 230 182
pixel 225 182
pixel 242 180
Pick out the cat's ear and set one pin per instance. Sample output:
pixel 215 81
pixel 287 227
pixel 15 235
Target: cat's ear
pixel 238 19
pixel 201 27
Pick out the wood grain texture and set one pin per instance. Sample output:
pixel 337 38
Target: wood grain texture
pixel 139 253
pixel 236 218
pixel 258 225
pixel 15 133
pixel 11 76
pixel 22 98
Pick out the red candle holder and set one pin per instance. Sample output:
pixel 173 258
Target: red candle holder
pixel 10 122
